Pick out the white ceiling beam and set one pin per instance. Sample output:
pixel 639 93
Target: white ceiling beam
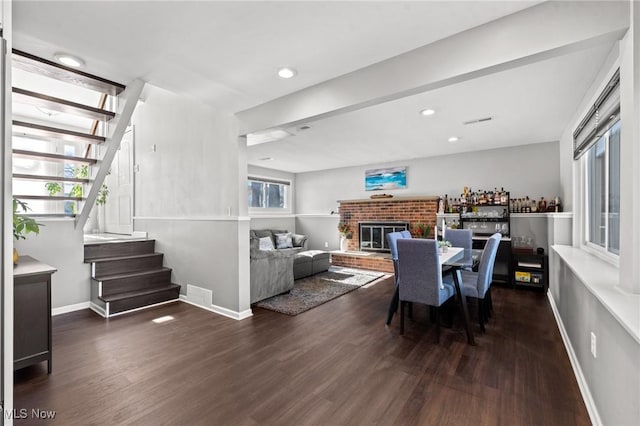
pixel 546 30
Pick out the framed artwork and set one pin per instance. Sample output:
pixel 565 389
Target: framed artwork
pixel 388 178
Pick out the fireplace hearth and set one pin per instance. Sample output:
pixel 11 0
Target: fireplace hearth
pixel 373 235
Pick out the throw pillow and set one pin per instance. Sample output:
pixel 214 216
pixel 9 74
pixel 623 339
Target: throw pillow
pixel 266 243
pixel 284 241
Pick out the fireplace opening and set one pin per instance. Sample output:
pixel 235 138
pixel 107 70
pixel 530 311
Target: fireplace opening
pixel 373 235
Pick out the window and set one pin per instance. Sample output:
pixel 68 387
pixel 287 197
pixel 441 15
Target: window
pixel 602 218
pixel 597 144
pixel 267 193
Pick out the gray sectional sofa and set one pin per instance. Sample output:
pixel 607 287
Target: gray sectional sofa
pixel 272 268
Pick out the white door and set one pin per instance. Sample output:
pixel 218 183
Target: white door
pixel 119 206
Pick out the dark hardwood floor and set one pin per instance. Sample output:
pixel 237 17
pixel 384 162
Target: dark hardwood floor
pixel 335 364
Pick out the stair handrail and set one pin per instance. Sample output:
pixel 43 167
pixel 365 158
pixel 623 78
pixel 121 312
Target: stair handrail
pixel 129 98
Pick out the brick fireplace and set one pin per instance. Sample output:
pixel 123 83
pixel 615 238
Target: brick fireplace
pixel 409 210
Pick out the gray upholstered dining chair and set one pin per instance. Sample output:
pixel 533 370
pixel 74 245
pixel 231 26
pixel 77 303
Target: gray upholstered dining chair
pixel 392 241
pixel 460 238
pixel 420 277
pixel 477 285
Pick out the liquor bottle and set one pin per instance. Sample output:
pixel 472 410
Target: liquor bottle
pixel 446 203
pixel 528 205
pixel 542 205
pixel 504 200
pixel 496 197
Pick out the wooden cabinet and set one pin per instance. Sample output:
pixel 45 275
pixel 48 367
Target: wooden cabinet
pixel 531 270
pixel 31 313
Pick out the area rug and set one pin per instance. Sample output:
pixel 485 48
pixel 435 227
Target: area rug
pixel 313 291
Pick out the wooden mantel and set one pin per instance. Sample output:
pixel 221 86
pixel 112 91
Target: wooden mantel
pixel 391 200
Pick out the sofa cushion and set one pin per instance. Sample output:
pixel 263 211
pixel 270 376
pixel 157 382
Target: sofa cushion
pixel 266 243
pixel 284 240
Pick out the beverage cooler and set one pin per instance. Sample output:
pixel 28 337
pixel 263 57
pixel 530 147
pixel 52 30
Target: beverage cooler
pixel 502 268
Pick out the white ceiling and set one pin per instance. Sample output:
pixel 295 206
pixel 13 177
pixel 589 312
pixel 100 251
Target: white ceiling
pixel 226 54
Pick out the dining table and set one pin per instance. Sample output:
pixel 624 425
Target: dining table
pixel 452 261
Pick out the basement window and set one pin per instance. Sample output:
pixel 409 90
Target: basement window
pixel 265 194
pixel 597 147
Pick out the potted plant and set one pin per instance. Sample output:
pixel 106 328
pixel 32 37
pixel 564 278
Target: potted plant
pixel 420 230
pixel 22 224
pixel 444 246
pixel 345 234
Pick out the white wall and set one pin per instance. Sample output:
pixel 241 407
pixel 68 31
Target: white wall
pixel 60 245
pixel 613 377
pixel 531 170
pixel 528 170
pixel 187 194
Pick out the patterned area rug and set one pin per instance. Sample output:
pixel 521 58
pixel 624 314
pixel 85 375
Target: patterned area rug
pixel 313 291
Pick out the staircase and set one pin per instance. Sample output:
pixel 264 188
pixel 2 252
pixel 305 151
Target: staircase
pixel 127 276
pixel 67 127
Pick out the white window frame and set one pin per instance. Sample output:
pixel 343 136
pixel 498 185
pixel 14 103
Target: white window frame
pixel 262 211
pixel 586 245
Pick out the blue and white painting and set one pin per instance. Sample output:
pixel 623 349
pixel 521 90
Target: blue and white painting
pixel 389 178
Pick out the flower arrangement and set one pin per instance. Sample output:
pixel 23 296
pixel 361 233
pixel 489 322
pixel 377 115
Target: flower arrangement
pixel 345 229
pixel 444 246
pixel 420 230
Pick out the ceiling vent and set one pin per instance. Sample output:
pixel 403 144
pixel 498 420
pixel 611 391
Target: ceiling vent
pixel 478 120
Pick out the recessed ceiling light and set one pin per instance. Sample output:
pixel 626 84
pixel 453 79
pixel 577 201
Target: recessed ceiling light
pixel 287 72
pixel 266 159
pixel 69 60
pixel 427 112
pixel 453 139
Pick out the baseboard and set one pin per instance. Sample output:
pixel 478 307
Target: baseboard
pixel 575 364
pixel 220 310
pixel 69 308
pixel 98 310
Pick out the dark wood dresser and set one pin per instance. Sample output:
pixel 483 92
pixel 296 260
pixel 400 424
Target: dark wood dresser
pixel 31 312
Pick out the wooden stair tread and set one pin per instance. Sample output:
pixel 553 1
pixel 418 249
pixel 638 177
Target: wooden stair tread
pixel 61 105
pixel 48 197
pixel 59 158
pixel 49 178
pixel 54 132
pixel 130 294
pixel 131 274
pixel 35 64
pixel 111 259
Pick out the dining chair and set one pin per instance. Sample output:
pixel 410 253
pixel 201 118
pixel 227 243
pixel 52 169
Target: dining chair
pixel 392 241
pixel 420 277
pixel 477 285
pixel 460 238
